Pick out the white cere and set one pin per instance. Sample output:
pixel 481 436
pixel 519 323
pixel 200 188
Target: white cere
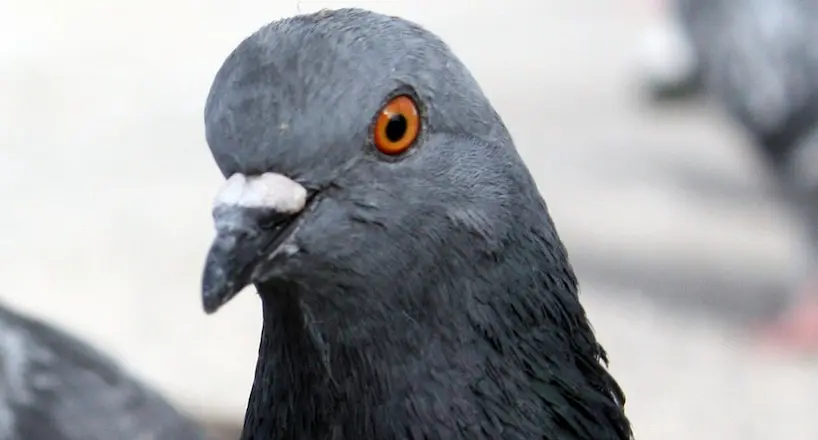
pixel 267 191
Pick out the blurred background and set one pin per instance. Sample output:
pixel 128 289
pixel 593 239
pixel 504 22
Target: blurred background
pixel 680 245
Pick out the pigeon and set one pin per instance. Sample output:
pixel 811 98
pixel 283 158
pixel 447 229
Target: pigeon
pixel 759 59
pixel 412 282
pixel 55 387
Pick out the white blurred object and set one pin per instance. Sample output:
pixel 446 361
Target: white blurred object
pixel 666 57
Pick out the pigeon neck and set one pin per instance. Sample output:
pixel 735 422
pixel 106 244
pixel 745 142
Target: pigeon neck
pixel 316 376
pixel 309 375
pixel 290 368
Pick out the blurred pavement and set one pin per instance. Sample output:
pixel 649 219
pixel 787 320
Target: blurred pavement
pixel 107 184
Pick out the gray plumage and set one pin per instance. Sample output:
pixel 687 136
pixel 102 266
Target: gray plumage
pixel 760 59
pixel 54 387
pixel 420 296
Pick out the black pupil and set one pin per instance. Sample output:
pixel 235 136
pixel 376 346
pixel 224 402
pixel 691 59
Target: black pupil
pixel 396 127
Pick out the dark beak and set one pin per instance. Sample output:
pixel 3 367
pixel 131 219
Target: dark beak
pixel 245 236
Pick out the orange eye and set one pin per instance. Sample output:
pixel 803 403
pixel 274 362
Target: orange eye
pixel 397 126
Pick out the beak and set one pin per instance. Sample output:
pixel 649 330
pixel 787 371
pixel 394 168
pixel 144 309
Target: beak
pixel 253 217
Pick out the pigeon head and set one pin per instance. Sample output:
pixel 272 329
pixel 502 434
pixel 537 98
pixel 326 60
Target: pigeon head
pixel 361 156
pixel 412 282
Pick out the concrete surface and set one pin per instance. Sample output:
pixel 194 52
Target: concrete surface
pixel 106 183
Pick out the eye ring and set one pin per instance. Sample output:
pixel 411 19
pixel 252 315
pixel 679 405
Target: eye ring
pixel 397 126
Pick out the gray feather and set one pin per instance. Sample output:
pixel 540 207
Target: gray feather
pixel 54 387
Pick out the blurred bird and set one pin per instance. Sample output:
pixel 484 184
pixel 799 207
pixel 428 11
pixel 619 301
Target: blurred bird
pixel 413 285
pixel 54 387
pixel 759 58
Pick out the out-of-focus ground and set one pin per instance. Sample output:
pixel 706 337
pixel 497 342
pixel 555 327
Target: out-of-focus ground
pixel 106 185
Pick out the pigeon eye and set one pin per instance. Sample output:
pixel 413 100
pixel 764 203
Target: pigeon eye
pixel 397 126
